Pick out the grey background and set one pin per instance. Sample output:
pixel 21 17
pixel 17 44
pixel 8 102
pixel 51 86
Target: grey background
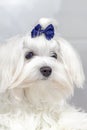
pixel 18 16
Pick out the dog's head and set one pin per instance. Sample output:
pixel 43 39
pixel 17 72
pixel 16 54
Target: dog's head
pixel 39 67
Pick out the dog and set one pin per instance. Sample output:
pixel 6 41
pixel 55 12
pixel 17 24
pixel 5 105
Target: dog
pixel 38 74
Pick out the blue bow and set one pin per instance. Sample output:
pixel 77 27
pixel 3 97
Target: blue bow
pixel 48 32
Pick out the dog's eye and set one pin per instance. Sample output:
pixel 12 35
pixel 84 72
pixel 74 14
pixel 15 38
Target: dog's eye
pixel 29 55
pixel 54 55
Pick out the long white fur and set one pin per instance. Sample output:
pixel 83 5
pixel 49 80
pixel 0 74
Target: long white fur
pixel 27 101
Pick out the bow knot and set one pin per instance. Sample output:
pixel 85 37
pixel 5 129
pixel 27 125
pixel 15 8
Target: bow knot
pixel 48 32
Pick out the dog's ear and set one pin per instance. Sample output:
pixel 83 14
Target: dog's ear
pixel 11 63
pixel 72 62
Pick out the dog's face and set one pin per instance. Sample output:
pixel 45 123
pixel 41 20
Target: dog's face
pixel 42 68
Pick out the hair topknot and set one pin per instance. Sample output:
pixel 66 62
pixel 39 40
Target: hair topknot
pixel 44 22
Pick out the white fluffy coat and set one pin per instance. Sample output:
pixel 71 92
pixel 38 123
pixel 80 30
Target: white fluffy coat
pixel 28 101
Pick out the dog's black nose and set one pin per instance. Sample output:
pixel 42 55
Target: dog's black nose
pixel 46 71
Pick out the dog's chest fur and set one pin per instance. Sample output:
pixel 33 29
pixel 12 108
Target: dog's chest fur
pixel 22 120
pixel 33 119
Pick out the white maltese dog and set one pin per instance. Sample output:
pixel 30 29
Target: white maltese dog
pixel 38 73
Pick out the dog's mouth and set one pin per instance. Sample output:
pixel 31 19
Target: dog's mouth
pixel 45 78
